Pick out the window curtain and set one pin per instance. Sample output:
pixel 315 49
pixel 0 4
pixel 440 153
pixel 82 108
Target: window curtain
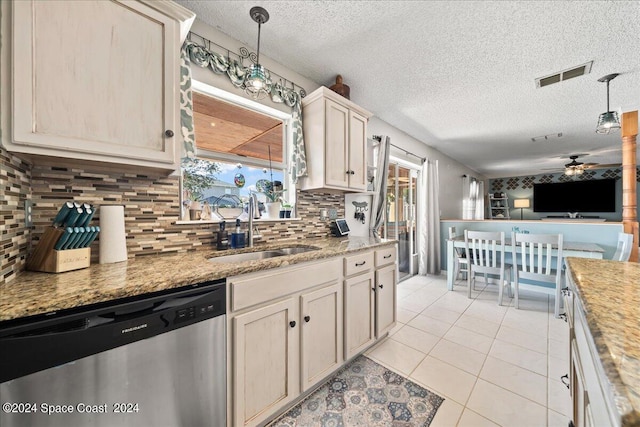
pixel 429 220
pixel 186 106
pixel 381 157
pixel 237 73
pixel 472 198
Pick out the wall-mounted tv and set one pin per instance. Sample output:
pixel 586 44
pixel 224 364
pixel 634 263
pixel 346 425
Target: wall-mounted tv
pixel 598 195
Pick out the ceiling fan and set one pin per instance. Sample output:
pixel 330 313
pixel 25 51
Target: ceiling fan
pixel 574 167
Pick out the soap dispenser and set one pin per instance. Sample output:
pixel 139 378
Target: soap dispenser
pixel 238 238
pixel 223 237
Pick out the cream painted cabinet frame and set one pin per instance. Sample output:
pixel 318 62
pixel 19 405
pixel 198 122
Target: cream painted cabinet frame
pixel 335 131
pixel 97 80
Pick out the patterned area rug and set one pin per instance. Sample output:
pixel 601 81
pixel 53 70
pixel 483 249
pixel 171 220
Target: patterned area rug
pixel 364 393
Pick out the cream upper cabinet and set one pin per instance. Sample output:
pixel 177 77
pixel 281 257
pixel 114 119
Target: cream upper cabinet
pixel 335 132
pixel 97 80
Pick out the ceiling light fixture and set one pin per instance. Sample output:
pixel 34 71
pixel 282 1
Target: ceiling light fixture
pixel 257 83
pixel 609 121
pixel 574 167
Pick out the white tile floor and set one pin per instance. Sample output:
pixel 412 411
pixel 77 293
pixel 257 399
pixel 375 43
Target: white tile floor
pixel 495 366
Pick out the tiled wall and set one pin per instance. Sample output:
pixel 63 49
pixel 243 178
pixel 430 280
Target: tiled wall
pixel 151 203
pixel 15 177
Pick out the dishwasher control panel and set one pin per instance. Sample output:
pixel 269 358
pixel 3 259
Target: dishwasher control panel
pixel 198 311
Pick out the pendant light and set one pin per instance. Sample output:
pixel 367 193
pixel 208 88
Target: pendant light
pixel 609 121
pixel 257 83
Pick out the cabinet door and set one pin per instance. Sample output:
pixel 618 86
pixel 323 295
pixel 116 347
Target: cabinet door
pixel 321 332
pixel 95 80
pixel 385 299
pixel 265 345
pixel 359 314
pixel 336 145
pixel 357 151
pixel 578 391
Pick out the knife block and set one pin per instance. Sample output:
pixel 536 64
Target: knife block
pixel 46 258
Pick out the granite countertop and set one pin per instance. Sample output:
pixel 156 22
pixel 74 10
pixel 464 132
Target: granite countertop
pixel 609 293
pixel 33 293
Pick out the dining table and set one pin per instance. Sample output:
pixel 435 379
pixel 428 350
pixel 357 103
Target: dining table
pixel 569 249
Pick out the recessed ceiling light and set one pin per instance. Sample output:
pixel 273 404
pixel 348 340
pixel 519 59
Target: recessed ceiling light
pixel 213 124
pixel 563 75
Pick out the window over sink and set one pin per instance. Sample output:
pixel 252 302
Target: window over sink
pixel 241 149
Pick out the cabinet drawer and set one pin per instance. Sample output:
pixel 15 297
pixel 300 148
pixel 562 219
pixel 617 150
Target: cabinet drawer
pixel 256 288
pixel 359 263
pixel 385 256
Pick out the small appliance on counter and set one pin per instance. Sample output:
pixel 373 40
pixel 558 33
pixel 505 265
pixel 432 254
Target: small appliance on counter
pixel 339 228
pixel 66 244
pixel 222 242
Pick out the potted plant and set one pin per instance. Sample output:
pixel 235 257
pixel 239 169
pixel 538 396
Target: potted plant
pixel 273 193
pixel 285 210
pixel 197 176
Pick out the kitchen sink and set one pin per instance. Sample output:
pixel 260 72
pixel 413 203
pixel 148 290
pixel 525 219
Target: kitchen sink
pixel 260 255
pixel 297 250
pixel 247 256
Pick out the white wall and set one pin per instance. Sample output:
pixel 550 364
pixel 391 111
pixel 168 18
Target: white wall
pixel 450 170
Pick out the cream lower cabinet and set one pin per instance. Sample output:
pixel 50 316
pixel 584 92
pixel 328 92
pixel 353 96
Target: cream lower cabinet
pixel 385 299
pixel 265 346
pixel 359 314
pixel 281 349
pixel 321 334
pixel 94 80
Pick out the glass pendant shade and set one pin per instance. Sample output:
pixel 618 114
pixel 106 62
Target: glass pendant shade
pixel 257 83
pixel 608 122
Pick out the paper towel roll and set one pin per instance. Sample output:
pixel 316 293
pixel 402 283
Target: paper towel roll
pixel 113 244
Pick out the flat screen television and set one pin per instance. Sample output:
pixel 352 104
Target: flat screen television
pixel 598 195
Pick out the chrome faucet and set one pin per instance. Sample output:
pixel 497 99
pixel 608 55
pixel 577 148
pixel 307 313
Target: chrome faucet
pixel 254 211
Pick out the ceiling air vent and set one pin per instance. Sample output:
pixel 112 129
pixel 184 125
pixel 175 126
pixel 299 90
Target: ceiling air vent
pixel 570 73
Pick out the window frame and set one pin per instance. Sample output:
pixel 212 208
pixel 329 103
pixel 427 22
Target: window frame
pixel 287 144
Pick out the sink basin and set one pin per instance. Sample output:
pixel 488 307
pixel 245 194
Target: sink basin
pixel 296 250
pixel 259 255
pixel 248 256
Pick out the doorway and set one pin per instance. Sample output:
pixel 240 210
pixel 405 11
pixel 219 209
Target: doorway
pixel 400 223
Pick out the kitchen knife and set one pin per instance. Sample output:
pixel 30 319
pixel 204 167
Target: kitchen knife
pixel 59 220
pixel 72 239
pixel 82 234
pixel 72 218
pixel 87 219
pixel 85 237
pixel 94 234
pixel 63 239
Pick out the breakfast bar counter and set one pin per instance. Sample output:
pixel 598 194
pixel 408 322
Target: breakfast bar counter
pixel 607 301
pixel 34 293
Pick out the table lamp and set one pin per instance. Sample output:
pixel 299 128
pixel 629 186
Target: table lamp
pixel 521 203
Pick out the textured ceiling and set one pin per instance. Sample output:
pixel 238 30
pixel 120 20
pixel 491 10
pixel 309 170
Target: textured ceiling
pixel 459 75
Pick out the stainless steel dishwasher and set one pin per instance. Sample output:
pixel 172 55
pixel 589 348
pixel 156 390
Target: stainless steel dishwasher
pixel 153 361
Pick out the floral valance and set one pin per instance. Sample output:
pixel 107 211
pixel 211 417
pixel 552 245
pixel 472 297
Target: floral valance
pixel 194 53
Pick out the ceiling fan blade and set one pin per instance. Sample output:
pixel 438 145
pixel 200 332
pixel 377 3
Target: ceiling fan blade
pixel 602 165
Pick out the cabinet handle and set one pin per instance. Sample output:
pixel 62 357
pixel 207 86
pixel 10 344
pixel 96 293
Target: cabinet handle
pixel 292 323
pixel 387 256
pixel 348 172
pixel 380 286
pixel 373 289
pixel 359 264
pixel 307 318
pixel 168 133
pixel 563 316
pixel 352 172
pixel 563 378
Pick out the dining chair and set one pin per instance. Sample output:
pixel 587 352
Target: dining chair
pixel 533 260
pixel 485 254
pixel 623 250
pixel 461 264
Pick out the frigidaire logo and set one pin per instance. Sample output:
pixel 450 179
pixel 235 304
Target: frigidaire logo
pixel 134 328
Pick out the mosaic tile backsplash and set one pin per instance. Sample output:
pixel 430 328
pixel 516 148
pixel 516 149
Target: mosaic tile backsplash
pixel 152 207
pixel 15 185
